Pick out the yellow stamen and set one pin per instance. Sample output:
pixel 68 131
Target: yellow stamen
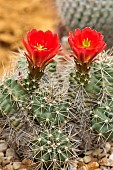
pixel 40 47
pixel 86 43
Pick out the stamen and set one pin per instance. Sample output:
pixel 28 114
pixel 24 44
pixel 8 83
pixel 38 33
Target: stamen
pixel 86 43
pixel 40 47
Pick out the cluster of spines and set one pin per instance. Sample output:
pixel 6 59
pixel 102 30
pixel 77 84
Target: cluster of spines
pixel 46 105
pixel 52 148
pixel 47 108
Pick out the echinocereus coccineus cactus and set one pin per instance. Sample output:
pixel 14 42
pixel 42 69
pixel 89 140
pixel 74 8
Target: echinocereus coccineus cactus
pixel 59 115
pixel 41 48
pixel 86 44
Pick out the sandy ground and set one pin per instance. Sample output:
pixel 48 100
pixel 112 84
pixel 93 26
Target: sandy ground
pixel 19 16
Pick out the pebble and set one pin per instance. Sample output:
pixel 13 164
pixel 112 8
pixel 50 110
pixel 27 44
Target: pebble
pixel 27 162
pixel 5 162
pixel 88 152
pixel 16 165
pixel 97 151
pixel 92 166
pixel 98 159
pixel 7 157
pixel 107 147
pixel 10 153
pixel 82 168
pixel 111 156
pixel 104 168
pixel 1 154
pixel 72 167
pixel 9 167
pixel 106 162
pixel 87 159
pixel 3 146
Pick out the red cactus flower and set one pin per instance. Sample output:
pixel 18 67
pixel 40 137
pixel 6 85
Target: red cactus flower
pixel 41 47
pixel 86 44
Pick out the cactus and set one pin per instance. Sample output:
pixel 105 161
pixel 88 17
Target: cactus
pixel 96 14
pixel 52 149
pixel 59 112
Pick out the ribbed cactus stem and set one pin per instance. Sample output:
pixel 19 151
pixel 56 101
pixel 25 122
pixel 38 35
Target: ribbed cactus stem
pixel 35 72
pixel 82 73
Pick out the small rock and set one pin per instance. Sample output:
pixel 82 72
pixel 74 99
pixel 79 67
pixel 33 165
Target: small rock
pixel 97 151
pixel 72 168
pixel 107 147
pixel 16 165
pixel 3 146
pixel 87 159
pixel 1 154
pixel 102 155
pixel 27 162
pixel 5 162
pixel 10 153
pixel 111 156
pixel 9 167
pixel 92 166
pixel 1 159
pixel 111 149
pixel 106 162
pixel 82 168
pixel 104 168
pixel 88 152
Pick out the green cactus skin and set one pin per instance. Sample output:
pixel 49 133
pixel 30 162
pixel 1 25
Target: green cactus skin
pixel 12 95
pixel 97 94
pixel 84 111
pixel 103 119
pixel 97 14
pixel 48 110
pixel 52 149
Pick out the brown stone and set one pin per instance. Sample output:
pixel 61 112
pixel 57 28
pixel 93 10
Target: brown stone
pixel 27 162
pixel 82 168
pixel 92 166
pixel 5 162
pixel 9 167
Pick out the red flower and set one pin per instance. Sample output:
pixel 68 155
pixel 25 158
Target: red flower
pixel 86 44
pixel 41 47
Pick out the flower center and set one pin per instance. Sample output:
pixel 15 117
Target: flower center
pixel 40 47
pixel 86 43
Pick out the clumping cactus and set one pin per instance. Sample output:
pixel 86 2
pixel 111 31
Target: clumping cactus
pixel 59 112
pixel 97 14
